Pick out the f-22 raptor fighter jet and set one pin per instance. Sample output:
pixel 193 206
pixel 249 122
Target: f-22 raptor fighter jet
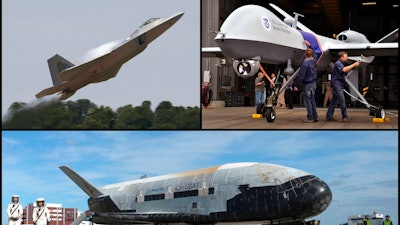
pixel 68 78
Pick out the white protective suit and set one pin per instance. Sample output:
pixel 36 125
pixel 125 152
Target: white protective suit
pixel 14 212
pixel 40 215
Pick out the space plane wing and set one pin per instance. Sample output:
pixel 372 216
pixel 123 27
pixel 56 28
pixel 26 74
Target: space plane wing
pixel 132 217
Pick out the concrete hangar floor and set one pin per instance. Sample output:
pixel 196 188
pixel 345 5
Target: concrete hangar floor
pixel 241 118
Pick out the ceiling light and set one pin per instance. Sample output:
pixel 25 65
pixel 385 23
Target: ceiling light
pixel 369 3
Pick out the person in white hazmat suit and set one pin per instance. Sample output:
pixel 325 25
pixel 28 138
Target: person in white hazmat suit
pixel 40 214
pixel 14 211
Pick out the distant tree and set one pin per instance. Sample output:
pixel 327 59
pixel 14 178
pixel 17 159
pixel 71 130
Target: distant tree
pixel 55 117
pixel 83 114
pixel 99 118
pixel 189 119
pixel 164 116
pixel 144 116
pixel 170 117
pixel 140 117
pixel 123 117
pixel 64 115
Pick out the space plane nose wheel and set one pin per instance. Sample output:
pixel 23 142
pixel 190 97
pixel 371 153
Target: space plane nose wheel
pixel 270 114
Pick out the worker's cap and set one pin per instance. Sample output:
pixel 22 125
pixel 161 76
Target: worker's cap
pixel 388 216
pixel 15 196
pixel 40 200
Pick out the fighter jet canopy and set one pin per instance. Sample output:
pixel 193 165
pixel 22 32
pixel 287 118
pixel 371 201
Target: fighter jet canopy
pixel 149 21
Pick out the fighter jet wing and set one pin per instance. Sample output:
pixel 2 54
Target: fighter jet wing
pixel 54 89
pixel 366 49
pixel 211 52
pixel 90 66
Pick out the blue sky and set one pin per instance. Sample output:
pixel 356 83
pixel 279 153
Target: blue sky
pixel 361 167
pixel 34 31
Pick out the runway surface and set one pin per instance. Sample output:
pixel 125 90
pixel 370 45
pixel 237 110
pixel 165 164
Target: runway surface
pixel 241 118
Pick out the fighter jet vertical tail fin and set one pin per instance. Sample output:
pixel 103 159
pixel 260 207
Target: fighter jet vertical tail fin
pixel 56 65
pixel 82 183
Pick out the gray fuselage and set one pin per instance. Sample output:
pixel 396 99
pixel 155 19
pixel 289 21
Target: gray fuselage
pixel 229 193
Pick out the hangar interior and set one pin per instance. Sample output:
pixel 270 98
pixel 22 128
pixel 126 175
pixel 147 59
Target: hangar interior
pixel 373 18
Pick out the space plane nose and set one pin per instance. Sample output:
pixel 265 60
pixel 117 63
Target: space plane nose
pixel 306 196
pixel 322 195
pixel 317 194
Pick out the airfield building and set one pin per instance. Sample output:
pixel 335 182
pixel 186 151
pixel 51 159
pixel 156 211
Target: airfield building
pixel 58 214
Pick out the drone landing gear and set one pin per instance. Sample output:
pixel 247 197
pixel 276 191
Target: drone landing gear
pixel 267 109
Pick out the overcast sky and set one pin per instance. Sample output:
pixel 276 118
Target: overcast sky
pixel 168 70
pixel 361 167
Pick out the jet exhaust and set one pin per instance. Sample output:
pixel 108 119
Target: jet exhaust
pixel 99 51
pixel 22 118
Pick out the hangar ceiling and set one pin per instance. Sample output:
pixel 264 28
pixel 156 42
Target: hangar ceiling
pixel 328 17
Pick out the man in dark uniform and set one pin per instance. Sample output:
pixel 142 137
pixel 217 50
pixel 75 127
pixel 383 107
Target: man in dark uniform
pixel 339 72
pixel 308 77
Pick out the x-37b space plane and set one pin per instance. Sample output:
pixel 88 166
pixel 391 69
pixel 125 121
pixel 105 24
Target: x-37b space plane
pixel 68 78
pixel 230 193
pixel 252 34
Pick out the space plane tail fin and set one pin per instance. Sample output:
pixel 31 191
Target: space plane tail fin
pixel 56 65
pixel 88 188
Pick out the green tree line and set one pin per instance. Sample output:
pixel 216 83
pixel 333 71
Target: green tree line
pixel 83 114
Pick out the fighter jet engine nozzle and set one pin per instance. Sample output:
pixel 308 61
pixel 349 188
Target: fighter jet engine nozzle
pixel 246 68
